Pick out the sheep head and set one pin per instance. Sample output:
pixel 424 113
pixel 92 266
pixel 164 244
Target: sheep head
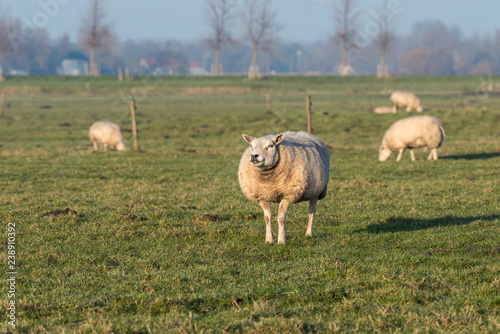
pixel 383 153
pixel 121 146
pixel 264 153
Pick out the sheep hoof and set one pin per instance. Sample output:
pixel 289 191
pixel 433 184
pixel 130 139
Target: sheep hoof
pixel 281 242
pixel 309 235
pixel 269 242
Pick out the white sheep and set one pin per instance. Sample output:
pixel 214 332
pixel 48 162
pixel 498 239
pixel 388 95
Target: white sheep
pixel 106 133
pixel 383 110
pixel 411 132
pixel 405 99
pixel 286 168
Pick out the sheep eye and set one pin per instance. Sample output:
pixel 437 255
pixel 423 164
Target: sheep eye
pixel 268 147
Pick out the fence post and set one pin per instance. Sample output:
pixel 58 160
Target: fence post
pixel 134 123
pixel 308 109
pixel 127 74
pixel 120 75
pixel 268 102
pixel 2 105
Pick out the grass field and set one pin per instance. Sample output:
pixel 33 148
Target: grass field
pixel 163 240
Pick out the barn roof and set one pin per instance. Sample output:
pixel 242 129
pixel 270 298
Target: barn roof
pixel 76 55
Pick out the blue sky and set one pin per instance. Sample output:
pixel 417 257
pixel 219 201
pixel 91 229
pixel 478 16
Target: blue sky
pixel 301 20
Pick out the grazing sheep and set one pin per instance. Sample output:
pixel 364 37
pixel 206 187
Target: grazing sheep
pixel 383 110
pixel 405 99
pixel 287 168
pixel 411 132
pixel 106 133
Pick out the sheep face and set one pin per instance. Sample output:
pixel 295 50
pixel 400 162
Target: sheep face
pixel 420 108
pixel 264 153
pixel 121 146
pixel 383 153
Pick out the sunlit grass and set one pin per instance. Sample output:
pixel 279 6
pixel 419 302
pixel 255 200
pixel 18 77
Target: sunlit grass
pixel 164 240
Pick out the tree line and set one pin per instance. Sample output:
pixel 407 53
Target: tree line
pixel 242 37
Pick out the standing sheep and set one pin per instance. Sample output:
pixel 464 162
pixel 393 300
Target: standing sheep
pixel 287 168
pixel 106 133
pixel 411 132
pixel 405 99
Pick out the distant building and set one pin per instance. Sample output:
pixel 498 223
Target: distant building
pixel 195 69
pixel 74 63
pixel 17 72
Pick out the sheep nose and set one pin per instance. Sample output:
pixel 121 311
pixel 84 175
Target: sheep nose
pixel 254 156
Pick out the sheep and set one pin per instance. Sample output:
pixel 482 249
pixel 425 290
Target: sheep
pixel 405 99
pixel 286 168
pixel 383 110
pixel 106 133
pixel 411 132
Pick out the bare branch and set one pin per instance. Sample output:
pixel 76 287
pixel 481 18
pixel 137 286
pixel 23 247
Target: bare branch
pixel 345 17
pixel 385 36
pixel 219 16
pixel 95 33
pixel 6 25
pixel 260 28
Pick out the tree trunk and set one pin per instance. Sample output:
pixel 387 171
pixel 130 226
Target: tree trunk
pixel 342 61
pixel 253 73
pixel 92 70
pixel 382 63
pixel 217 57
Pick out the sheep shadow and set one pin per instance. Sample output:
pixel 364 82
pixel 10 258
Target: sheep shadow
pixel 402 224
pixel 472 156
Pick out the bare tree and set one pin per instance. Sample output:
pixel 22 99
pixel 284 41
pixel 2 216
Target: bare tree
pixel 259 29
pixel 219 16
pixel 345 17
pixel 6 27
pixel 29 52
pixel 385 37
pixel 95 33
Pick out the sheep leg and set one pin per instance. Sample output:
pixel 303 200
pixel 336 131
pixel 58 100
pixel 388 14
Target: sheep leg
pixel 95 145
pixel 312 211
pixel 400 154
pixel 283 208
pixel 394 108
pixel 412 155
pixel 433 154
pixel 267 218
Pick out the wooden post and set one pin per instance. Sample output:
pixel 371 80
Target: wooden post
pixel 127 74
pixel 308 108
pixel 460 99
pixel 120 76
pixel 87 88
pixel 268 102
pixel 2 105
pixel 134 124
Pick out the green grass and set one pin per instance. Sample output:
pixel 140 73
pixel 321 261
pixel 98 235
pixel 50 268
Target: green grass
pixel 164 240
pixel 231 85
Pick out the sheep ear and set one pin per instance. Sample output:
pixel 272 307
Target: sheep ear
pixel 278 138
pixel 248 138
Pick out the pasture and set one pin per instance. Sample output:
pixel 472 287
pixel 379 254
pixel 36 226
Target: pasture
pixel 163 240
